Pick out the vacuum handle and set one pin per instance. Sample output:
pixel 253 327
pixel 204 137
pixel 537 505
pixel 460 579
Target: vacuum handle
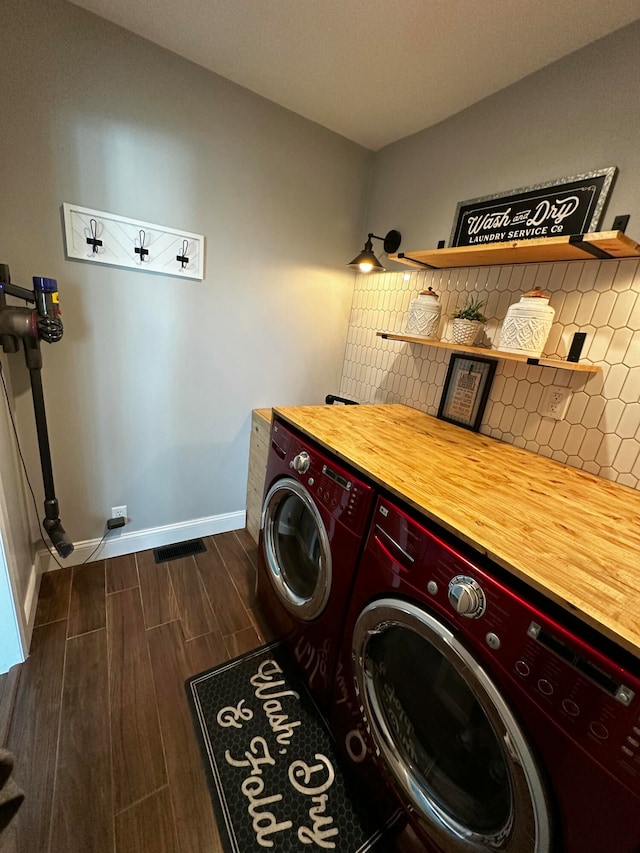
pixel 13 289
pixel 48 307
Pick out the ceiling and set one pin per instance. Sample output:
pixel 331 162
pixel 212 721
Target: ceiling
pixel 372 70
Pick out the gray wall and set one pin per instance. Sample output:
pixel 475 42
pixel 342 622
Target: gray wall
pixel 578 114
pixel 149 394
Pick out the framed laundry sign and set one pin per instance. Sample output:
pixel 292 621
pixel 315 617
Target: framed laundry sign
pixel 466 390
pixel 559 208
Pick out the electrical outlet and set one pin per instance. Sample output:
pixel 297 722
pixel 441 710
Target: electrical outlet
pixel 554 402
pixel 119 511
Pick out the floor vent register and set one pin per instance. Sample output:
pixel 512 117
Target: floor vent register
pixel 179 550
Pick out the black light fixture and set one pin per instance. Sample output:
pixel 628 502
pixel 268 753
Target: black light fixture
pixel 366 261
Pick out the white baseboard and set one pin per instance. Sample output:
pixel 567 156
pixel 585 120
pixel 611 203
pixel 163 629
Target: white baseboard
pixel 120 542
pixel 31 601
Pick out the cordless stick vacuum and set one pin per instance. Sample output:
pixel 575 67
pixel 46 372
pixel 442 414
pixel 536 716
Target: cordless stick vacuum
pixel 32 326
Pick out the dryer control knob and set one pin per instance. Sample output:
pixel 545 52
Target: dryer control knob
pixel 301 462
pixel 467 597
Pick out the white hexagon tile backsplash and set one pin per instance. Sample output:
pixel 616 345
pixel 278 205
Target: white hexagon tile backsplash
pixel 601 431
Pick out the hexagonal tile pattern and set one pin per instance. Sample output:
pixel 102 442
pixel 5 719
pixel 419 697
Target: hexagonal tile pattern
pixel 544 432
pixel 506 420
pixel 626 456
pixel 577 407
pixel 590 445
pixel 601 298
pixel 628 480
pixel 575 438
pixel 617 349
pixel 559 435
pixel 592 467
pixel 629 423
pixel 593 411
pixel 630 391
pixel 533 397
pixel 632 356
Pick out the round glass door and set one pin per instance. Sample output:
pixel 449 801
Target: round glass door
pixel 453 747
pixel 296 548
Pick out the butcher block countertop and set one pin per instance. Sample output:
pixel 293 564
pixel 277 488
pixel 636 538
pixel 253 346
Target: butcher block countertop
pixel 571 535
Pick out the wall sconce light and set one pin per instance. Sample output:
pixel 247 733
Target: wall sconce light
pixel 366 261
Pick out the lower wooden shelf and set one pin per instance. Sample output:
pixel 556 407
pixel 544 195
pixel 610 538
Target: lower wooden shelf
pixel 493 353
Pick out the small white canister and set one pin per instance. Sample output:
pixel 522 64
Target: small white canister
pixel 527 325
pixel 424 315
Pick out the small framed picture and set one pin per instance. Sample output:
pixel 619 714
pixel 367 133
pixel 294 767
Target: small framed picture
pixel 466 389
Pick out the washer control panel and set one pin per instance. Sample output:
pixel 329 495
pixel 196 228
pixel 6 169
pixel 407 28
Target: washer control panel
pixel 331 486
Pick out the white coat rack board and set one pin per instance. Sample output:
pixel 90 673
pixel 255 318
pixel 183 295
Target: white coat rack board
pixel 107 238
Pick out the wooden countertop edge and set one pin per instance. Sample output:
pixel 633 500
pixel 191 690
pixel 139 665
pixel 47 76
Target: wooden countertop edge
pixel 618 633
pixel 265 414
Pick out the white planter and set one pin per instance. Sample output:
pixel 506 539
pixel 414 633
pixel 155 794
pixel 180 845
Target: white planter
pixel 527 325
pixel 466 332
pixel 424 315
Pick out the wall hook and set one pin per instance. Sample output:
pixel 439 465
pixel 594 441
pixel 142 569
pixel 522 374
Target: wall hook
pixel 184 260
pixel 140 250
pixel 93 240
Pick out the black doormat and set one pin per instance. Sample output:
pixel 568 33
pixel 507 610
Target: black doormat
pixel 271 763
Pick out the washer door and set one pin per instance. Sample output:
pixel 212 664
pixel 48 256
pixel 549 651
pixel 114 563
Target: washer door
pixel 296 548
pixel 453 747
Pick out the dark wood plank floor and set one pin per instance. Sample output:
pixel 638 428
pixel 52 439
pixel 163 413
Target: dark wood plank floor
pixel 97 716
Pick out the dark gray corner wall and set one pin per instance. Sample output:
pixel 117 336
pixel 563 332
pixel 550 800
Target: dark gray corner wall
pixel 578 114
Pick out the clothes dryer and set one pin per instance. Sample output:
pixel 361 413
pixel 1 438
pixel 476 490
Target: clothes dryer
pixel 496 726
pixel 314 519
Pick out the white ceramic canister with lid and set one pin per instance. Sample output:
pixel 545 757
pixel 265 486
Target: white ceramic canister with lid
pixel 424 315
pixel 527 325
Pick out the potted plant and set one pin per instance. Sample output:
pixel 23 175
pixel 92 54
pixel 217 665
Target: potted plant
pixel 468 322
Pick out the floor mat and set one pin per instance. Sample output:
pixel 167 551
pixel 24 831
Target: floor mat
pixel 271 763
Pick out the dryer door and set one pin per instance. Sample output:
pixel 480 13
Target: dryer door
pixel 296 548
pixel 453 747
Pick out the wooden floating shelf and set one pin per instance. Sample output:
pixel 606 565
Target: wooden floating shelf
pixel 494 353
pixel 602 245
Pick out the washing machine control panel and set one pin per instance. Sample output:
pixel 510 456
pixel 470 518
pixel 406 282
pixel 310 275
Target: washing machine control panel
pixel 347 498
pixel 595 701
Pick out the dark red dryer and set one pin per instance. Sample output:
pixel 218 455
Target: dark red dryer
pixel 497 727
pixel 314 518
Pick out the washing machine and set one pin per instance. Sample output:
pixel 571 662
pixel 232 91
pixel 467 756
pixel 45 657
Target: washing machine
pixel 314 519
pixel 465 697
